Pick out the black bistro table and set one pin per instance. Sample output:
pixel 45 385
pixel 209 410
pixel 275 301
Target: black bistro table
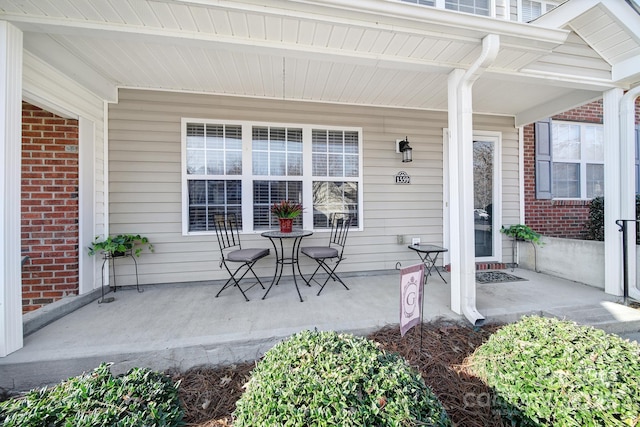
pixel 277 238
pixel 429 255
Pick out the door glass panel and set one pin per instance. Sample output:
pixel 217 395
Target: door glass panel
pixel 483 160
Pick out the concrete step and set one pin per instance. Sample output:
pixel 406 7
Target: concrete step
pixel 612 317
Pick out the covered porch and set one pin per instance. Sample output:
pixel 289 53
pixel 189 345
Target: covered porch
pixel 134 75
pixel 184 325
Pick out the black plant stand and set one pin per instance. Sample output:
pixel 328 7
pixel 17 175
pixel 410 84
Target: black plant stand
pixel 109 257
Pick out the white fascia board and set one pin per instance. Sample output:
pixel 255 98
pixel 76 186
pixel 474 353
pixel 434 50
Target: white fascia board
pixel 619 10
pixel 555 106
pixel 48 50
pixel 627 70
pixel 561 15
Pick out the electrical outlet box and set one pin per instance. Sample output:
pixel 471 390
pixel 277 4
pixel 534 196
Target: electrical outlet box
pixel 415 241
pixel 400 239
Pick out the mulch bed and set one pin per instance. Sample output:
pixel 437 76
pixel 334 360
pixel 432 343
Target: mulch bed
pixel 209 394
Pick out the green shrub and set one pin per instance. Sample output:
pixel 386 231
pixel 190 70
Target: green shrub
pixel 548 372
pixel 595 223
pixel 329 379
pixel 139 398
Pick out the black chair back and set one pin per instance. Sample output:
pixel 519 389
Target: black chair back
pixel 227 232
pixel 340 223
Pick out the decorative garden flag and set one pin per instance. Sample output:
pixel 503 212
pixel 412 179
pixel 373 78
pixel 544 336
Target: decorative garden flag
pixel 411 279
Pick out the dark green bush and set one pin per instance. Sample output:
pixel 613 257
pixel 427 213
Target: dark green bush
pixel 139 398
pixel 548 372
pixel 595 223
pixel 329 379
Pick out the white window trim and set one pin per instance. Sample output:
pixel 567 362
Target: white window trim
pixel 583 163
pixel 247 176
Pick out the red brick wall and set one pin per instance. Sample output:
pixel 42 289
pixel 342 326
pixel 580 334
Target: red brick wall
pixel 558 218
pixel 49 207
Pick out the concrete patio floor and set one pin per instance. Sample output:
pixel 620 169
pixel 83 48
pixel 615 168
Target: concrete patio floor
pixel 184 325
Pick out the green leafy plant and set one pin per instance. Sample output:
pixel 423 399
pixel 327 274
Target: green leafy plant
pixel 330 379
pixel 521 232
pixel 120 244
pixel 549 372
pixel 139 398
pixel 595 223
pixel 286 209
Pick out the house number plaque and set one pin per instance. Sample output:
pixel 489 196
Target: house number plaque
pixel 403 178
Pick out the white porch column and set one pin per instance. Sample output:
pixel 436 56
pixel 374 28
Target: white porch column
pixel 612 237
pixel 462 239
pixel 455 199
pixel 627 182
pixel 10 149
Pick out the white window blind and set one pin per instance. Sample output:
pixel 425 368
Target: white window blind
pixel 277 154
pixel 335 160
pixel 213 162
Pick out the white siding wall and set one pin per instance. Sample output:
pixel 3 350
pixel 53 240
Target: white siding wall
pixel 502 9
pixel 513 10
pixel 49 89
pixel 145 178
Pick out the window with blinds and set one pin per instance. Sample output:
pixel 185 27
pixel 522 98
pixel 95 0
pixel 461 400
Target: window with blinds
pixel 533 9
pixel 317 167
pixel 213 164
pixel 335 161
pixel 477 7
pixel 276 156
pixel 421 2
pixel 578 160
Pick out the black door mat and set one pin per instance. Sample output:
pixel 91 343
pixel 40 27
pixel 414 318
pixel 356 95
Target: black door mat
pixel 496 277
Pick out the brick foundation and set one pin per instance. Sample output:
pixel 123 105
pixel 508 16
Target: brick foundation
pixel 49 229
pixel 481 266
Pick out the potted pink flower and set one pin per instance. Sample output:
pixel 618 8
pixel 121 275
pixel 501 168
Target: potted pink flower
pixel 286 211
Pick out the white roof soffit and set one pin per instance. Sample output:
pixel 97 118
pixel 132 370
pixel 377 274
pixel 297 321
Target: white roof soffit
pixel 610 27
pixel 366 52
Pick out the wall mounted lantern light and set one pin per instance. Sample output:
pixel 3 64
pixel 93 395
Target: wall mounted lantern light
pixel 402 146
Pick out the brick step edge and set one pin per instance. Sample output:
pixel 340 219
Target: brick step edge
pixel 480 266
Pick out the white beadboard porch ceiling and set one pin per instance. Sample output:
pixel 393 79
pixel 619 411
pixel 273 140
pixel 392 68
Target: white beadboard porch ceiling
pixel 364 52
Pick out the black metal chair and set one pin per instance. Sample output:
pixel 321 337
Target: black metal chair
pixel 231 251
pixel 340 224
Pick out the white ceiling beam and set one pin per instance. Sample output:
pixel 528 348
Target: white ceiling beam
pixel 627 70
pixel 48 50
pixel 534 77
pixel 555 106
